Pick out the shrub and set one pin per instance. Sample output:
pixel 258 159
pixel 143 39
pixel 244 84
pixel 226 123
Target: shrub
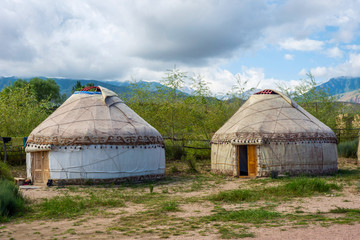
pixel 348 149
pixel 191 161
pixel 174 152
pixel 5 172
pixel 11 201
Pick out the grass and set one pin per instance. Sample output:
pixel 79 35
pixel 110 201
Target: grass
pixel 11 201
pixel 73 206
pixel 158 203
pixel 5 172
pixel 170 206
pixel 231 233
pixel 244 216
pixel 295 187
pixel 345 210
pixel 348 149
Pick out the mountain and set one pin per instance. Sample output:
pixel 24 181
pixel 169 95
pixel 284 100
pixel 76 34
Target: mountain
pixel 341 85
pixel 66 84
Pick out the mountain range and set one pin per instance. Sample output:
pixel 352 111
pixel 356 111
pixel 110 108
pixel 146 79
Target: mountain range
pixel 66 84
pixel 345 89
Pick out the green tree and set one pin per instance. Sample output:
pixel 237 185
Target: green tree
pixel 47 90
pixel 43 90
pixel 20 111
pixel 78 86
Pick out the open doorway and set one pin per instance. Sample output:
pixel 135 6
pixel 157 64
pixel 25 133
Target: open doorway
pixel 247 161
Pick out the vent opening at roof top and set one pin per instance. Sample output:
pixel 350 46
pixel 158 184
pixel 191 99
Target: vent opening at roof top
pixel 86 89
pixel 266 91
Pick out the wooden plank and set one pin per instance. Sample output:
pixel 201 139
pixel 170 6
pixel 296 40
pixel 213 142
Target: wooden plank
pixel 252 160
pixel 237 160
pixel 46 167
pixel 38 174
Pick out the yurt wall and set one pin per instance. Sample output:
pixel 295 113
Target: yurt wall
pixel 300 157
pixel 223 158
pixel 104 161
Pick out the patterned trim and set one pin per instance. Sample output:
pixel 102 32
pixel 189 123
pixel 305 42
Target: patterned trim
pixel 90 140
pixel 269 137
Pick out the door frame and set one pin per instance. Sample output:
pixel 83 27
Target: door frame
pixel 252 164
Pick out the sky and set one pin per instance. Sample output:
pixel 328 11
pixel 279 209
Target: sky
pixel 264 43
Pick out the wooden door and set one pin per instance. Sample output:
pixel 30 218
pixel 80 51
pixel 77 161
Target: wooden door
pixel 252 161
pixel 40 167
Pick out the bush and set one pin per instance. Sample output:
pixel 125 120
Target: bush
pixel 191 161
pixel 11 201
pixel 348 149
pixel 174 152
pixel 5 172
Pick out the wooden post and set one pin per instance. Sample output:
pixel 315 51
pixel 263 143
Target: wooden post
pixel 5 140
pixel 5 155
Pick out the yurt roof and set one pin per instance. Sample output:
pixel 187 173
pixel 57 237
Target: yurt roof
pixel 270 115
pixel 94 118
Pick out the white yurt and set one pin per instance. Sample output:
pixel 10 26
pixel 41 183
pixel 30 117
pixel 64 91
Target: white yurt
pixel 271 134
pixel 94 136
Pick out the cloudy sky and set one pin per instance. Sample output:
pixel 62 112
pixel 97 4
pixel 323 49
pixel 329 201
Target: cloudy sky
pixel 263 41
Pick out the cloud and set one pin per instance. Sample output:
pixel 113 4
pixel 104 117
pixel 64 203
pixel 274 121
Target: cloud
pixel 222 80
pixel 288 57
pixel 301 45
pixel 334 52
pixel 118 40
pixel 353 47
pixel 351 68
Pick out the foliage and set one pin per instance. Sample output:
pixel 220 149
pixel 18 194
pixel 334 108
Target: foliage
pixel 20 111
pixel 11 201
pixel 43 90
pixel 78 86
pixel 181 118
pixel 5 172
pixel 348 149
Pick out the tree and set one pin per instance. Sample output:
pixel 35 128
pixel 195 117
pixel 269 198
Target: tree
pixel 47 89
pixel 78 86
pixel 20 111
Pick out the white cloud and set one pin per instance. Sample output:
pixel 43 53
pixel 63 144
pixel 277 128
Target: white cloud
pixel 351 68
pixel 335 52
pixel 353 47
pixel 223 80
pixel 289 57
pixel 117 40
pixel 301 45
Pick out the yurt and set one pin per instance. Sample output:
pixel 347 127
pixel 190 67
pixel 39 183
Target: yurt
pixel 271 134
pixel 94 136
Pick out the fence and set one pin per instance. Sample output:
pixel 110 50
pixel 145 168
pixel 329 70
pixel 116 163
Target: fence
pixel 345 135
pixel 15 152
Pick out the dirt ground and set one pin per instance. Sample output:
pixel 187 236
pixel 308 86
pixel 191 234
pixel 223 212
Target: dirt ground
pixel 95 226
